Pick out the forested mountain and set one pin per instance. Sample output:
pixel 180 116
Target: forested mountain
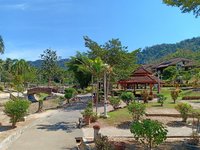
pixel 38 63
pixel 156 52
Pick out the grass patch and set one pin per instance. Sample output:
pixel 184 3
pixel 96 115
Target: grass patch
pixel 117 116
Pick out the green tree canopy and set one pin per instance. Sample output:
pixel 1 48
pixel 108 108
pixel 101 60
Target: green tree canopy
pixel 2 48
pixel 114 54
pixel 186 5
pixel 81 76
pixel 49 64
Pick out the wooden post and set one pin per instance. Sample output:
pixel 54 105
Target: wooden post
pixel 151 91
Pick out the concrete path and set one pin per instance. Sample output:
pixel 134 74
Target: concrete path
pixel 55 132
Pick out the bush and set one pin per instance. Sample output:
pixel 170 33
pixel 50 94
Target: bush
pixel 69 93
pixel 149 132
pixel 137 110
pixel 184 109
pixel 145 96
pixel 127 97
pixel 1 88
pixel 161 99
pixel 115 102
pixel 102 143
pixel 88 111
pixel 174 95
pixel 94 117
pixel 16 110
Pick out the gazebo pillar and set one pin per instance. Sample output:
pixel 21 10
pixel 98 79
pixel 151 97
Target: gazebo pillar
pixel 151 89
pixel 134 89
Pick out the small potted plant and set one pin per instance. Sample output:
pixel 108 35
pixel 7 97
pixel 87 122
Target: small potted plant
pixel 87 113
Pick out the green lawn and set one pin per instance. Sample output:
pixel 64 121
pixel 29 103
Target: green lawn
pixel 115 117
pixel 122 115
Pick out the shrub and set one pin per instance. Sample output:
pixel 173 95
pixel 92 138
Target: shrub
pixel 94 117
pixel 145 96
pixel 16 110
pixel 196 114
pixel 149 132
pixel 127 97
pixel 137 110
pixel 115 102
pixel 174 95
pixel 102 143
pixel 69 93
pixel 161 99
pixel 88 111
pixel 184 109
pixel 1 88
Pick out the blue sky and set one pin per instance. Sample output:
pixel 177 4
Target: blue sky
pixel 28 27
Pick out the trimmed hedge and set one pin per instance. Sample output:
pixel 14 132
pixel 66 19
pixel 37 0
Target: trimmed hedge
pixel 190 97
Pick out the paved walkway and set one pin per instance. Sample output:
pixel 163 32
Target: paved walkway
pixel 55 132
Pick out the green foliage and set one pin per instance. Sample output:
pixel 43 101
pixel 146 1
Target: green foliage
pixel 115 55
pixel 69 93
pixel 49 64
pixel 115 102
pixel 188 48
pixel 145 96
pixel 137 110
pixel 149 132
pixel 102 143
pixel 2 48
pixel 169 72
pixel 16 110
pixel 186 6
pixel 161 99
pixel 1 88
pixel 81 76
pixel 127 97
pixel 184 109
pixel 88 111
pixel 174 95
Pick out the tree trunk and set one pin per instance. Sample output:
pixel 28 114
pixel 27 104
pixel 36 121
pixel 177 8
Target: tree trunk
pixel 105 96
pixel 97 95
pixel 92 92
pixel 49 82
pixel 13 122
pixel 40 106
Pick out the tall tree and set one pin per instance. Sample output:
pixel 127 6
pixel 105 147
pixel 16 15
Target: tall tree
pixel 96 67
pixel 186 5
pixel 49 64
pixel 20 67
pixel 82 77
pixel 2 48
pixel 113 54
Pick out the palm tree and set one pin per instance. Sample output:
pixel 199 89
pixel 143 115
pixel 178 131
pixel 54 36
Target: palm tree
pixel 96 67
pixel 20 67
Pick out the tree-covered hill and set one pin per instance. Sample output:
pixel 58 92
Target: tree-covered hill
pixel 156 52
pixel 38 63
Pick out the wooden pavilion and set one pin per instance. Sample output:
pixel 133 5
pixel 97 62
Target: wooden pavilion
pixel 141 77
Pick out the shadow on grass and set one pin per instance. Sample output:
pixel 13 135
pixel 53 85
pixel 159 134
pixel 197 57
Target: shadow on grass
pixel 65 126
pixel 177 124
pixel 124 125
pixel 5 128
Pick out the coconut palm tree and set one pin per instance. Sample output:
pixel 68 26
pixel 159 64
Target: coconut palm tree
pixel 20 67
pixel 96 67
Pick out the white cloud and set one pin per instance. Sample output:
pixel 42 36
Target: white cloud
pixel 19 6
pixel 33 54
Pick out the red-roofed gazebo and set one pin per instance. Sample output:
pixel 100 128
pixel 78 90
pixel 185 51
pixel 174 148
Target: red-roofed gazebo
pixel 141 76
